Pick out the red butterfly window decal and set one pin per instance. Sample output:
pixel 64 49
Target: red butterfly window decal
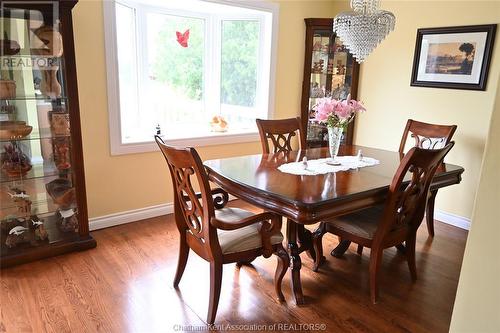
pixel 182 39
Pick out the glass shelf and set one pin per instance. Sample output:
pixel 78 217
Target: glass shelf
pixel 42 206
pixel 35 98
pixel 40 170
pixel 41 202
pixel 43 134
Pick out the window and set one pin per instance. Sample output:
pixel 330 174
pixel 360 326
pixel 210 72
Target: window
pixel 180 64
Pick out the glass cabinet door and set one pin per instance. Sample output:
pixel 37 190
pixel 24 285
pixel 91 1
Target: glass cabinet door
pixel 331 75
pixel 38 203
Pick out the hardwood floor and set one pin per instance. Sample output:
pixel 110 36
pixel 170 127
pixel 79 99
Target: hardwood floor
pixel 125 285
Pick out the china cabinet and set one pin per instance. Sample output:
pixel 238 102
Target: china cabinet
pixel 329 70
pixel 43 208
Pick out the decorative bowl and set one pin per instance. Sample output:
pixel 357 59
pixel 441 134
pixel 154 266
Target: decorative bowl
pixel 16 170
pixel 11 130
pixel 61 192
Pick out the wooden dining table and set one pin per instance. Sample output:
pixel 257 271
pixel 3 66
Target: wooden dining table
pixel 308 199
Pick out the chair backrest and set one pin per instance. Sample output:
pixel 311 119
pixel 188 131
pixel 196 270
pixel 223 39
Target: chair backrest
pixel 185 165
pixel 427 136
pixel 280 132
pixel 405 205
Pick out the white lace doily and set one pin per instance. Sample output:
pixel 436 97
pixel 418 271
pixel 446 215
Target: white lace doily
pixel 322 166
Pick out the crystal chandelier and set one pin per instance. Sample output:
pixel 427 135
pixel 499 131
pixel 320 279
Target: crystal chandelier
pixel 362 29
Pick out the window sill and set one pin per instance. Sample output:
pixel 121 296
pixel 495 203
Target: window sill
pixel 212 140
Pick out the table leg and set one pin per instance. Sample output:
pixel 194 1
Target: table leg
pixel 305 240
pixel 295 262
pixel 339 251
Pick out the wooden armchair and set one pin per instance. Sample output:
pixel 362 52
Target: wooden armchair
pixel 396 221
pixel 280 132
pixel 217 233
pixel 427 136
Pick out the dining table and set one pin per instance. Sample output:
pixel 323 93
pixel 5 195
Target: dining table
pixel 309 199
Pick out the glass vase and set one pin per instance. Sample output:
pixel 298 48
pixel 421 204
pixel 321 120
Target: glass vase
pixel 334 138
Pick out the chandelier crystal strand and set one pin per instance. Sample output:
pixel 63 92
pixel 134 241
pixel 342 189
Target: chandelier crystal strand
pixel 362 29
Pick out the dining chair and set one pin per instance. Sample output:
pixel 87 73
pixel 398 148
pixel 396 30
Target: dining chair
pixel 218 234
pixel 427 136
pixel 393 223
pixel 280 132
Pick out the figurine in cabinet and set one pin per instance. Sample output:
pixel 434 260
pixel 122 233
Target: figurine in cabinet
pixel 59 123
pixel 62 153
pixel 316 90
pixel 49 86
pixel 48 43
pixel 22 201
pixel 318 66
pixel 69 221
pixel 19 235
pixel 40 231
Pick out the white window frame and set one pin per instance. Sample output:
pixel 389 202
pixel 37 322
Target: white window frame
pixel 116 145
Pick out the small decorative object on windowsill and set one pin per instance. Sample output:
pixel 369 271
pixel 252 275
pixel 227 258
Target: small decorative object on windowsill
pixel 336 115
pixel 218 124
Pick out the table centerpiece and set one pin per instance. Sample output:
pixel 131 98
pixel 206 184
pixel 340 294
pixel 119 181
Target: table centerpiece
pixel 336 114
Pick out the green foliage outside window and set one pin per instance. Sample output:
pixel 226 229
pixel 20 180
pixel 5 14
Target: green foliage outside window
pixel 182 68
pixel 240 47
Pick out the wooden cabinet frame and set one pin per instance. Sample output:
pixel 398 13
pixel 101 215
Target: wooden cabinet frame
pixel 313 24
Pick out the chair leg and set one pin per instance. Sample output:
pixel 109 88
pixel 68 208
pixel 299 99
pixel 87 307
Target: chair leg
pixel 410 256
pixel 317 241
pixel 215 286
pixel 360 250
pixel 181 263
pixel 281 268
pixel 430 213
pixel 375 261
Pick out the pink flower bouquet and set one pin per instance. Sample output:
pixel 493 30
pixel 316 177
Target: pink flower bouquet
pixel 336 113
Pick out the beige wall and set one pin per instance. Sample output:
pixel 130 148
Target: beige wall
pixel 121 183
pixel 385 89
pixel 477 306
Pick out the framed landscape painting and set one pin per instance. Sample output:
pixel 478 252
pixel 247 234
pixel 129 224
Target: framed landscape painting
pixel 453 57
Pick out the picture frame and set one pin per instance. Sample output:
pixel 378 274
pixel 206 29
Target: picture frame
pixel 453 57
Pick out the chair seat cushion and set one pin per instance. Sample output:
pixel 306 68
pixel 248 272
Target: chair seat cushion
pixel 363 223
pixel 242 239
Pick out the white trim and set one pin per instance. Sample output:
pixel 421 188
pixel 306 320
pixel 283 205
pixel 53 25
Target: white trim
pixel 110 46
pixel 134 215
pixel 452 219
pixel 223 139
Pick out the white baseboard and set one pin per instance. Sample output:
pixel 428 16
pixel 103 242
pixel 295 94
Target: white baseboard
pixel 452 219
pixel 134 215
pixel 111 220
